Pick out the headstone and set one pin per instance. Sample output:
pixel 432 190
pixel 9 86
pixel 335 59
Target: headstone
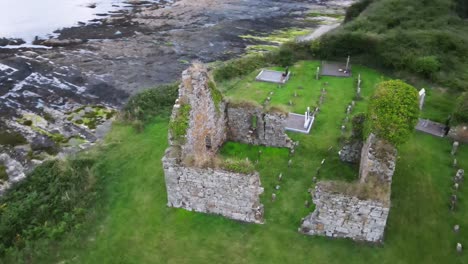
pixel 422 96
pixel 343 127
pixel 280 177
pixel 459 248
pixel 347 63
pixel 273 197
pixel 456 186
pixel 289 163
pixel 290 102
pixel 455 163
pixel 295 93
pixel 314 179
pixel 456 228
pixel 277 187
pixel 459 176
pixel 455 147
pixel 317 75
pixel 272 93
pixel 323 161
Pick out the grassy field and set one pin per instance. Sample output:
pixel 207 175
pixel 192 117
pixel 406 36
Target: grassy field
pixel 135 226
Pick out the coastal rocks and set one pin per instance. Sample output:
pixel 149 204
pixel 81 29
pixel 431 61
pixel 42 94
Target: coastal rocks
pixel 43 143
pixel 13 169
pixel 10 41
pixel 53 42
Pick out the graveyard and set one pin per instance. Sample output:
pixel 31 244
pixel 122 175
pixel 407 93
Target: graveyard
pixel 420 227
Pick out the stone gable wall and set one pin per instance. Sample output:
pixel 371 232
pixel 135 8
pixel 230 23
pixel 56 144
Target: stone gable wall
pixel 215 191
pixel 269 129
pixel 207 120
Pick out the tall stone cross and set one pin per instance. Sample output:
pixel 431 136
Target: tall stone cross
pixel 347 62
pixel 422 97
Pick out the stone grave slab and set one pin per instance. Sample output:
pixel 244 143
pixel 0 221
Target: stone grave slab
pixel 335 69
pixel 431 127
pixel 272 76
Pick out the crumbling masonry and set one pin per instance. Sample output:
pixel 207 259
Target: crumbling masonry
pixel 356 210
pixel 194 179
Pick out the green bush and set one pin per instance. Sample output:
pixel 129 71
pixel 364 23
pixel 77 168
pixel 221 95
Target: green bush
pixel 239 67
pixel 426 65
pixel 150 103
pixel 356 9
pixel 409 36
pixel 460 115
pixel 393 111
pixel 50 201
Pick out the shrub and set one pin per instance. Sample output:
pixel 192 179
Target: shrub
pixel 460 115
pixel 393 111
pixel 358 126
pixel 150 103
pixel 426 65
pixel 239 67
pixel 356 9
pixel 47 203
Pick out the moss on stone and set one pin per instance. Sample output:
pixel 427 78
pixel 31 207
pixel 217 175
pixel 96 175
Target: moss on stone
pixel 11 138
pixel 180 123
pixel 216 95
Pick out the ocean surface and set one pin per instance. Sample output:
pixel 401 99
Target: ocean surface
pixel 26 19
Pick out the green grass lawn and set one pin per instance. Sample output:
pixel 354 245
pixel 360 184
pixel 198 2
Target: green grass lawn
pixel 135 226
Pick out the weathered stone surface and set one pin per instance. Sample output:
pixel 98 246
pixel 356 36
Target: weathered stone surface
pixel 251 125
pixel 207 126
pixel 459 133
pixel 351 152
pixel 356 210
pixel 192 180
pixel 14 170
pixel 215 191
pixel 338 215
pixel 378 158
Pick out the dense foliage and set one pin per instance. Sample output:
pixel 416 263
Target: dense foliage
pixel 50 202
pixel 460 115
pixel 424 37
pixel 150 103
pixel 393 111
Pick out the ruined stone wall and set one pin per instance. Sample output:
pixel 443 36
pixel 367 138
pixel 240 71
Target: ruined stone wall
pixel 339 215
pixel 378 159
pixel 207 190
pixel 251 125
pixel 207 126
pixel 356 210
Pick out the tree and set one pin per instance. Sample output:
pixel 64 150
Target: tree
pixel 460 115
pixel 393 111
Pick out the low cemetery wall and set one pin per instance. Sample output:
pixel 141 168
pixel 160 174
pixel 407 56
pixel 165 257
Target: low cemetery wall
pixel 251 125
pixel 215 191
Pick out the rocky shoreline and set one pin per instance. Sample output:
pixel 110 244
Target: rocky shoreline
pixel 62 99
